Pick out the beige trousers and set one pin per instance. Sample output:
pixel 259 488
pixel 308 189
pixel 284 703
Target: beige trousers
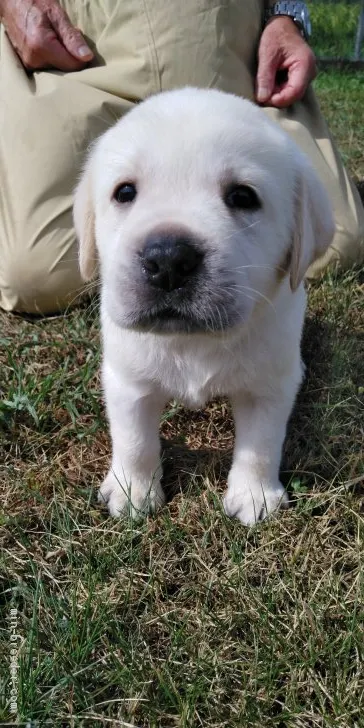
pixel 48 119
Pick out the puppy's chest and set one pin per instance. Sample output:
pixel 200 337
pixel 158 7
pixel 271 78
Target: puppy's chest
pixel 194 377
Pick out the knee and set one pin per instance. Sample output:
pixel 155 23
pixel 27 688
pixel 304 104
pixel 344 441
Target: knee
pixel 38 282
pixel 347 247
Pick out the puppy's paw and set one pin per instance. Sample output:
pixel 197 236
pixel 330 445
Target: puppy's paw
pixel 251 500
pixel 135 501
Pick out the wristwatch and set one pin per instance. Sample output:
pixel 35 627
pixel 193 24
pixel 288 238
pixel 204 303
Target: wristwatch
pixel 295 10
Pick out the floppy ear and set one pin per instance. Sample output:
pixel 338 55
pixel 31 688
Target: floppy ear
pixel 314 223
pixel 84 220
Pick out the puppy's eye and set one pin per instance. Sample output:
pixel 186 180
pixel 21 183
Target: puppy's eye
pixel 125 193
pixel 242 197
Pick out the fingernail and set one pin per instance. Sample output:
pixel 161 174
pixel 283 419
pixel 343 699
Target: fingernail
pixel 263 93
pixel 84 51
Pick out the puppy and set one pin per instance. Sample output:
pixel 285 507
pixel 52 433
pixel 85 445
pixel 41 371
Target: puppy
pixel 204 217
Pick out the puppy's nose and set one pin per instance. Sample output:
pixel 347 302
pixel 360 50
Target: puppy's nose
pixel 169 260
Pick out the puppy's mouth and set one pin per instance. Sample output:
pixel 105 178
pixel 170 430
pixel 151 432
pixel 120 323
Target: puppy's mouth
pixel 205 305
pixel 188 320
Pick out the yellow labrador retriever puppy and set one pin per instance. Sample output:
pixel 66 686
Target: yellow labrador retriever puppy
pixel 204 217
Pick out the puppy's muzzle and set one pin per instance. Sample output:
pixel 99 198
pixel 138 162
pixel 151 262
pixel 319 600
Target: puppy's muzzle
pixel 170 260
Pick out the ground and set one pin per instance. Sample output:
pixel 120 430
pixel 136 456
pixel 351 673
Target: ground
pixel 188 619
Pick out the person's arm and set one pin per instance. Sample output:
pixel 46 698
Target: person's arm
pixel 286 63
pixel 42 35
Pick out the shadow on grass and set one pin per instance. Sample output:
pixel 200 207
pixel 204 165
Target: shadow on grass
pixel 319 448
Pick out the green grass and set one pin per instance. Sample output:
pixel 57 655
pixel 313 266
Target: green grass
pixel 188 619
pixel 334 27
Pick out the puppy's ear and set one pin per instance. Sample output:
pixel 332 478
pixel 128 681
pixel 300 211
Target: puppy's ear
pixel 314 223
pixel 84 221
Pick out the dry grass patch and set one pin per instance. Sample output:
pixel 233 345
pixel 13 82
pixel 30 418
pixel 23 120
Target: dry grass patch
pixel 188 619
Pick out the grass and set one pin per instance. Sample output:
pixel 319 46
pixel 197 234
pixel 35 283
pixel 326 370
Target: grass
pixel 187 619
pixel 334 27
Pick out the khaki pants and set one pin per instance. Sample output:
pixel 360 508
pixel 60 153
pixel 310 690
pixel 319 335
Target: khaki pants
pixel 48 119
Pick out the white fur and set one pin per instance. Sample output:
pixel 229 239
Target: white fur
pixel 181 148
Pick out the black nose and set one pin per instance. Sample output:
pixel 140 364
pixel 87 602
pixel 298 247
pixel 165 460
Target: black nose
pixel 169 260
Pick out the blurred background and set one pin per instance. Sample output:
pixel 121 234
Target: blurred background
pixel 338 29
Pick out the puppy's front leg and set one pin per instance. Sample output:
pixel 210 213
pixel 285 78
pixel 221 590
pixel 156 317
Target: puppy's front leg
pixel 254 489
pixel 132 485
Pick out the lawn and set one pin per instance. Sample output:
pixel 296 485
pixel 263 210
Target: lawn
pixel 188 619
pixel 334 27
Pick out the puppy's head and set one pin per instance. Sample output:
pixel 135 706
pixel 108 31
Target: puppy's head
pixel 196 207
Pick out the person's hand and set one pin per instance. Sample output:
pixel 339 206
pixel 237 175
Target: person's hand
pixel 42 35
pixel 286 64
